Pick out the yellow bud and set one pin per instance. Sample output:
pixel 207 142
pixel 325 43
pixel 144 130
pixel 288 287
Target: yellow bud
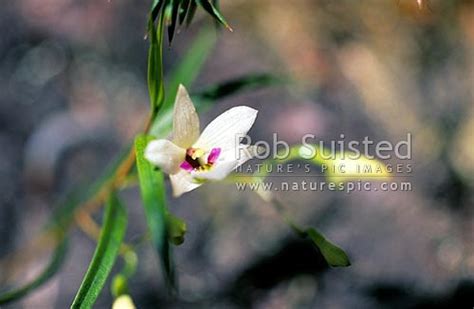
pixel 123 302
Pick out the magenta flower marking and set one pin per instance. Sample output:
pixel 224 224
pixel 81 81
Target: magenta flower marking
pixel 213 155
pixel 192 161
pixel 185 165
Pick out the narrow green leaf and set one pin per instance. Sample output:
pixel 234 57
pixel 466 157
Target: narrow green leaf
pixel 111 236
pixel 152 188
pixel 215 3
pixel 167 12
pixel 191 12
pixel 155 8
pixel 214 12
pixel 53 267
pixel 174 4
pixel 246 82
pixel 183 11
pixel 335 256
pixel 176 229
pixel 156 87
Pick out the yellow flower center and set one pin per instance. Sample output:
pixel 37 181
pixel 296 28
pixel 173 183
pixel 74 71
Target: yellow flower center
pixel 196 159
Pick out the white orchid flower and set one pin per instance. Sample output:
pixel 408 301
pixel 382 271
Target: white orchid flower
pixel 192 159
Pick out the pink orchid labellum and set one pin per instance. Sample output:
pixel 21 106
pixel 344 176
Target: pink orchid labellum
pixel 192 159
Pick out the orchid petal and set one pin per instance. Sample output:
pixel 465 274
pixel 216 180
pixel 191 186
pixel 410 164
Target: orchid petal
pixel 183 182
pixel 165 154
pixel 228 161
pixel 224 131
pixel 185 120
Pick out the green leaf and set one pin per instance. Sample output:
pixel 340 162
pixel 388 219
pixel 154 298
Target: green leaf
pixel 111 236
pixel 156 87
pixel 246 82
pixel 191 12
pixel 152 188
pixel 174 4
pixel 167 12
pixel 53 267
pixel 335 256
pixel 155 8
pixel 176 229
pixel 215 3
pixel 214 12
pixel 183 10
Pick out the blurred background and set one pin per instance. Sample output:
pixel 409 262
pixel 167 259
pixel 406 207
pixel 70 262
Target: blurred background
pixel 73 92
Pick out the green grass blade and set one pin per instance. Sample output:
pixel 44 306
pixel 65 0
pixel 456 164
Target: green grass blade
pixel 152 188
pixel 183 11
pixel 111 236
pixel 215 3
pixel 156 87
pixel 53 267
pixel 155 8
pixel 214 12
pixel 243 83
pixel 174 19
pixel 191 12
